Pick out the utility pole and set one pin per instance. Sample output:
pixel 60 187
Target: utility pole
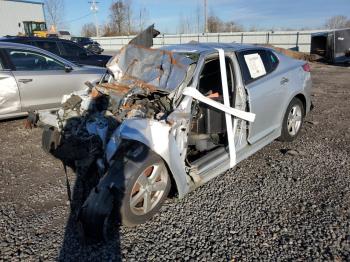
pixel 94 10
pixel 205 16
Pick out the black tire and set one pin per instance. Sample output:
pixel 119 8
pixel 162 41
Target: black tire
pixel 128 215
pixel 108 204
pixel 94 215
pixel 287 134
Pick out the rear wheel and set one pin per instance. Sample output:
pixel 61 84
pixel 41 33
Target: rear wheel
pixel 293 120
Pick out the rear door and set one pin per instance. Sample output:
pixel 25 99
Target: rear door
pixel 9 95
pixel 42 80
pixel 266 89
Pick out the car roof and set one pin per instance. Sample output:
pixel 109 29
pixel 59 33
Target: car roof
pixel 209 47
pixel 33 38
pixel 33 48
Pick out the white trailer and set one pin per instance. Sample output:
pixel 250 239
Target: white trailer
pixel 14 12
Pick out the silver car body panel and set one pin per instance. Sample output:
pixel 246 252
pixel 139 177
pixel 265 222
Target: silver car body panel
pixel 159 138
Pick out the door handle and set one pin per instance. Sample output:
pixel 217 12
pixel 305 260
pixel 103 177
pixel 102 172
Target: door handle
pixel 24 81
pixel 284 80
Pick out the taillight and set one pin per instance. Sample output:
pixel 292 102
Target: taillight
pixel 306 67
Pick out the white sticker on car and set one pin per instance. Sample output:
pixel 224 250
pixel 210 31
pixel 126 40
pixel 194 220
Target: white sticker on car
pixel 255 65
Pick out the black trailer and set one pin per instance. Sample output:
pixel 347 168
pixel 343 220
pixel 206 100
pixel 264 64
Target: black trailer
pixel 333 46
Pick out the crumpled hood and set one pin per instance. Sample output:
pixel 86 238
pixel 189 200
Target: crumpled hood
pixel 157 68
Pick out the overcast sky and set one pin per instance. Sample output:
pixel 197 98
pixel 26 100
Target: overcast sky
pixel 259 13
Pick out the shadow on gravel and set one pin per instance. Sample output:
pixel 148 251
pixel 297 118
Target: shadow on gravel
pixel 76 246
pixel 104 171
pixel 92 229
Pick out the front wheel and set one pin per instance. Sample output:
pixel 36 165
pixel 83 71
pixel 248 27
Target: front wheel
pixel 146 189
pixel 293 120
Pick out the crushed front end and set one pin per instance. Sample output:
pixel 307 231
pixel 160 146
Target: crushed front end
pixel 124 115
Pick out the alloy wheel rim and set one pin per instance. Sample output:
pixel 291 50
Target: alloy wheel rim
pixel 148 189
pixel 294 120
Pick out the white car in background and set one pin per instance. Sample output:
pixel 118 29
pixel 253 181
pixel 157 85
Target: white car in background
pixel 34 79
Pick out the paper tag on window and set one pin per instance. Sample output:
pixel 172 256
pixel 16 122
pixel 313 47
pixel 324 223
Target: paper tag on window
pixel 255 65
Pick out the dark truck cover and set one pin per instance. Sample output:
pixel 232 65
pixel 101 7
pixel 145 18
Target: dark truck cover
pixel 333 46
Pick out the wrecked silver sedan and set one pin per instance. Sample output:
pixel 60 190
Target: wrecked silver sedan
pixel 172 118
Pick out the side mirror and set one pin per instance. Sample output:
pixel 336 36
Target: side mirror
pixel 68 68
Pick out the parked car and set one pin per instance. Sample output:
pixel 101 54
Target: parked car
pixel 179 117
pixel 66 49
pixel 34 79
pixel 89 44
pixel 63 34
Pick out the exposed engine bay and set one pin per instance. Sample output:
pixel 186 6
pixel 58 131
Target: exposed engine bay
pixel 140 83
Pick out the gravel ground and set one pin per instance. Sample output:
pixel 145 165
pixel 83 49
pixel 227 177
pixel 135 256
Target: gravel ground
pixel 287 202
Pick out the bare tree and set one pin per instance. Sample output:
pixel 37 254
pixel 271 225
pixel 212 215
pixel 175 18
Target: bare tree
pixel 122 21
pixel 88 30
pixel 184 26
pixel 129 13
pixel 181 26
pixel 337 22
pixel 118 17
pixel 232 26
pixel 107 30
pixel 54 10
pixel 198 18
pixel 143 18
pixel 215 24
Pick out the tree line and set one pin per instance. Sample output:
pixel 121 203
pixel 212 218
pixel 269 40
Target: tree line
pixel 124 19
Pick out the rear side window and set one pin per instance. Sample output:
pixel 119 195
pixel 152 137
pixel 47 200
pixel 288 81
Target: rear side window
pixel 48 46
pixel 73 50
pixel 31 61
pixel 256 64
pixel 273 60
